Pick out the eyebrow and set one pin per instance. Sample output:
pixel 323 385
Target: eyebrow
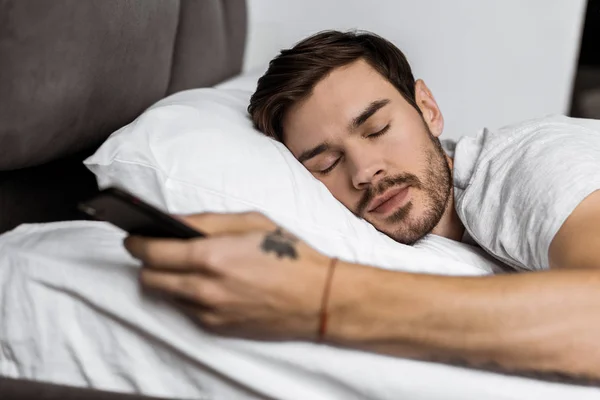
pixel 354 124
pixel 315 151
pixel 367 113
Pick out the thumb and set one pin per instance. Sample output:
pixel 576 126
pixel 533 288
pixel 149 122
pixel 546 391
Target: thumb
pixel 228 224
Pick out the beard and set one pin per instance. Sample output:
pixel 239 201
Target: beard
pixel 436 186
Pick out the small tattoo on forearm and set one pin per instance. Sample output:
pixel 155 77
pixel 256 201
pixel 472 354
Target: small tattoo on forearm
pixel 281 243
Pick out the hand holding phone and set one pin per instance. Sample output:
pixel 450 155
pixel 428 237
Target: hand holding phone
pixel 135 216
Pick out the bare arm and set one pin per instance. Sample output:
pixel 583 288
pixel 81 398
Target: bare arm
pixel 534 322
pixel 546 322
pixel 235 284
pixel 577 243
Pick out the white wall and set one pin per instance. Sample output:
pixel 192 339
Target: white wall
pixel 488 62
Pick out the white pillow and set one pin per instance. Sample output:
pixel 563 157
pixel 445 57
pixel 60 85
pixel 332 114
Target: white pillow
pixel 247 80
pixel 197 151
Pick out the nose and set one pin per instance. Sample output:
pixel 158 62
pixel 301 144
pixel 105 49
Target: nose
pixel 366 170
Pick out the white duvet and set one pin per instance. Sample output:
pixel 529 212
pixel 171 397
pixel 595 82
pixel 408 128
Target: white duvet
pixel 71 312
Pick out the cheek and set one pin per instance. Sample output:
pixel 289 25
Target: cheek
pixel 405 150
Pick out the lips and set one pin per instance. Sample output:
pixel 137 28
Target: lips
pixel 388 200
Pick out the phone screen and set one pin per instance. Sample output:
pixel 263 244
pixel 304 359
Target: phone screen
pixel 135 216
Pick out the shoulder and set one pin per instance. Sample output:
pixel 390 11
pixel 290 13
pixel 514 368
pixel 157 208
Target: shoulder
pixel 524 180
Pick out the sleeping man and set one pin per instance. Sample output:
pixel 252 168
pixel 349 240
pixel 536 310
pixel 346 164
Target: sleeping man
pixel 348 108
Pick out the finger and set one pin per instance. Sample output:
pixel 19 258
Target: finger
pixel 193 309
pixel 173 254
pixel 187 287
pixel 233 223
pixel 210 320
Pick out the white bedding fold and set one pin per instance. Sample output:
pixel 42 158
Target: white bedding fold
pixel 71 312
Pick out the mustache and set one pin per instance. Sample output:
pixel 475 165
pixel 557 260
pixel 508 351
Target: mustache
pixel 382 186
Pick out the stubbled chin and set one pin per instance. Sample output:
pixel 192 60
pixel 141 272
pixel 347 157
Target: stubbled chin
pixel 407 231
pixel 384 226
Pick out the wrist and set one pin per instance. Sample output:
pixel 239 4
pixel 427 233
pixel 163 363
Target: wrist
pixel 324 310
pixel 351 302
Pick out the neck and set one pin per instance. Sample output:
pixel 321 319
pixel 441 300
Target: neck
pixel 450 226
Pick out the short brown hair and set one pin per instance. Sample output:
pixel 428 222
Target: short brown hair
pixel 294 73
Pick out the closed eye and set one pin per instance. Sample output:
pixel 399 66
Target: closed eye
pixel 330 168
pixel 379 133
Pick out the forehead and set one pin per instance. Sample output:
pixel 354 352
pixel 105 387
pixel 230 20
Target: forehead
pixel 333 103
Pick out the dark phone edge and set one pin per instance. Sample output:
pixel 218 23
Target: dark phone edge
pixel 145 207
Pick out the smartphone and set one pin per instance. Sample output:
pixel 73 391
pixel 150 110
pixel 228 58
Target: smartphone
pixel 135 216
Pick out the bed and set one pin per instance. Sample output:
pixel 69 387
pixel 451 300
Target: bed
pixel 72 73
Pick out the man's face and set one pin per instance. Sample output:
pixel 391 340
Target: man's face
pixel 373 150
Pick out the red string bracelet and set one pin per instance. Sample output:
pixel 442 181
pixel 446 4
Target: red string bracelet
pixel 324 301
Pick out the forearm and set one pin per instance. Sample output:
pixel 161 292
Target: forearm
pixel 547 321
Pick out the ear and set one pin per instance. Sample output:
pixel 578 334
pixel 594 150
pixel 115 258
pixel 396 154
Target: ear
pixel 429 109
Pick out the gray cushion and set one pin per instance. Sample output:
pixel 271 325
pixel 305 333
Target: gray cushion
pixel 73 71
pixel 12 389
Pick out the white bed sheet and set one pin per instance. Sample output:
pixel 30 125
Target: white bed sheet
pixel 71 312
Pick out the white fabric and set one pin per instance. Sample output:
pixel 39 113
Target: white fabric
pixel 524 180
pixel 72 313
pixel 197 151
pixel 247 80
